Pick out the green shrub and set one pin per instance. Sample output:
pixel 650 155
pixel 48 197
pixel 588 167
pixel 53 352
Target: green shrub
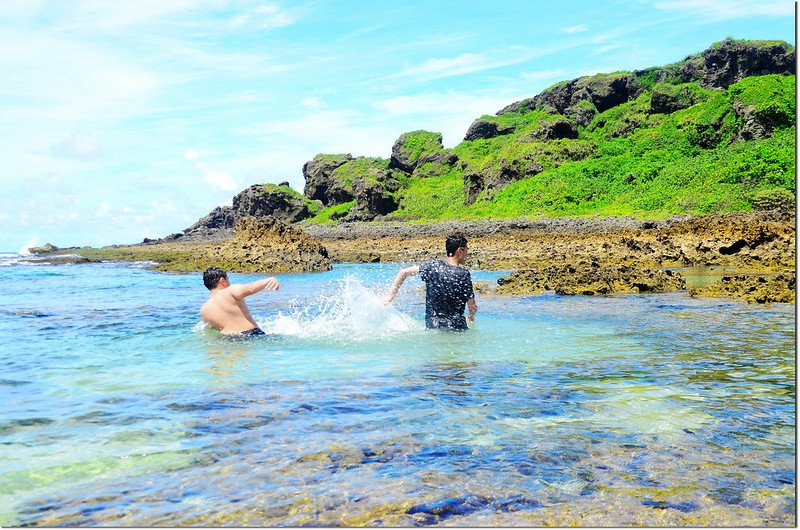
pixel 774 199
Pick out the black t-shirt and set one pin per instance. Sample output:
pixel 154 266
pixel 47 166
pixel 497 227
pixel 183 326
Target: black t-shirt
pixel 449 289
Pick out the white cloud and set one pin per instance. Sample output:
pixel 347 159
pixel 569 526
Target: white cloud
pixel 468 63
pixel 313 103
pixel 115 15
pixel 54 78
pixel 218 180
pixel 439 103
pixel 727 10
pixel 542 75
pixel 79 145
pixel 103 210
pixel 580 28
pixel 464 63
pixel 263 17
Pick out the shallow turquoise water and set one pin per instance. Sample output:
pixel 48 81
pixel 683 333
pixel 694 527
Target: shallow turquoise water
pixel 118 409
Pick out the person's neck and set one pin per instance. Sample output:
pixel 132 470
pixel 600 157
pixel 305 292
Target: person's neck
pixel 452 260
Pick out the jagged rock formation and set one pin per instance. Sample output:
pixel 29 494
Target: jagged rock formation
pixel 482 128
pixel 570 122
pixel 730 61
pixel 759 289
pixel 720 66
pixel 259 200
pixel 602 91
pixel 265 244
pixel 591 278
pixel 258 245
pixel 320 183
pixel 339 179
pixel 575 104
pixel 44 249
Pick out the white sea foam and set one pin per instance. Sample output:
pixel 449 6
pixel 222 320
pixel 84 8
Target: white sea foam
pixel 7 259
pixel 353 312
pixel 25 250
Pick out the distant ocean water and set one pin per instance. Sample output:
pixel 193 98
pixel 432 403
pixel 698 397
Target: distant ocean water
pixel 118 408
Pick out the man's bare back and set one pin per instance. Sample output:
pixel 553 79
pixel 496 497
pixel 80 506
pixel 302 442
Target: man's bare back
pixel 225 308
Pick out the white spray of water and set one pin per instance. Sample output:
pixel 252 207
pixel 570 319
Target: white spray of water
pixel 352 312
pixel 25 250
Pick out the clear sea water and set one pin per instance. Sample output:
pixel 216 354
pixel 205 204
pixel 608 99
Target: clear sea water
pixel 117 408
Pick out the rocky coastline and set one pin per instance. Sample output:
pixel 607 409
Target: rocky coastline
pixel 749 256
pixel 357 209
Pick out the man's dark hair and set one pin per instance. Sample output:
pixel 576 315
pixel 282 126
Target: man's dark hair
pixel 212 276
pixel 454 243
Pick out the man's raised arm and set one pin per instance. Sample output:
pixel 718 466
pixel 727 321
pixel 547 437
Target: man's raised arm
pixel 398 281
pixel 246 289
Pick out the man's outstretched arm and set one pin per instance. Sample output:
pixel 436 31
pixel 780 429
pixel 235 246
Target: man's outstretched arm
pixel 398 281
pixel 472 306
pixel 242 290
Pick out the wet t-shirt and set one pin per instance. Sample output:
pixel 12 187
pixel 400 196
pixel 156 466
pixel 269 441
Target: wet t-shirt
pixel 448 290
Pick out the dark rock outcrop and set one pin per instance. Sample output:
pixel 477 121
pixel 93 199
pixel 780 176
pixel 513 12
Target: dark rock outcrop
pixel 259 200
pixel 730 61
pixel 320 184
pixel 667 99
pixel 44 249
pixel 553 130
pixel 583 113
pixel 483 128
pixel 373 200
pixel 602 91
pixel 271 201
pixel 720 66
pixel 413 149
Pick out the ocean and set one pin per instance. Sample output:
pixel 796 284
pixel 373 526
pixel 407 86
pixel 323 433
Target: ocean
pixel 118 409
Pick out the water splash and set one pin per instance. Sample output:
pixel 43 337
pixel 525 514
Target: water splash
pixel 353 312
pixel 25 250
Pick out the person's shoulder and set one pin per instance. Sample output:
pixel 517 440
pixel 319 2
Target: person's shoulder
pixel 428 264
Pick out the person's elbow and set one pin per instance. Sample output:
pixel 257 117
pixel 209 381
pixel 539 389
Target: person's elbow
pixel 408 271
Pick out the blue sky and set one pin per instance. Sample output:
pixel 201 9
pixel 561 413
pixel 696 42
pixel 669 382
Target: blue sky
pixel 125 120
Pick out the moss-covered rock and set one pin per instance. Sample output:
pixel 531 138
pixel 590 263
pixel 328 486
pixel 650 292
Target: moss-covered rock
pixel 411 147
pixel 321 184
pixel 666 98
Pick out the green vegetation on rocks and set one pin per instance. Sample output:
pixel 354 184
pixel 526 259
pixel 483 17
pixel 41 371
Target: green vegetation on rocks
pixel 713 133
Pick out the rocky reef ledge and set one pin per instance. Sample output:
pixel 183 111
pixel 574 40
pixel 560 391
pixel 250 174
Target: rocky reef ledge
pixel 598 255
pixel 750 256
pixel 258 245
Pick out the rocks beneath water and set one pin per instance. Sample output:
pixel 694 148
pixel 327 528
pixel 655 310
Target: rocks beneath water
pixel 591 278
pixel 759 289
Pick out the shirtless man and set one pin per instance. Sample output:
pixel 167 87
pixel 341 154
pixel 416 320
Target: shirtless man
pixel 226 309
pixel 449 287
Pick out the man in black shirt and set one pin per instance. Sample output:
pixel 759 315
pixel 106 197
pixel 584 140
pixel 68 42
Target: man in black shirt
pixel 449 287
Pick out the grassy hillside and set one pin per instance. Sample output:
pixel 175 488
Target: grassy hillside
pixel 675 148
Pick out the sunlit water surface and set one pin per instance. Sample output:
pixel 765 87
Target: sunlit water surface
pixel 117 408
